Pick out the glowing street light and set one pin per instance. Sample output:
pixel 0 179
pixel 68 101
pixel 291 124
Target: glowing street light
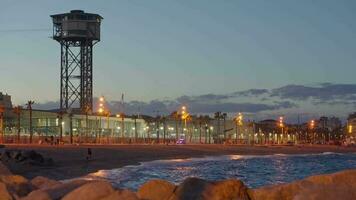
pixel 312 124
pixel 281 122
pixel 239 123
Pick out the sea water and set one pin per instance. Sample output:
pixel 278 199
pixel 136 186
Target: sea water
pixel 254 171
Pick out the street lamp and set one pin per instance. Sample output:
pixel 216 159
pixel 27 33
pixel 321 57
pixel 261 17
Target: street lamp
pixel 122 116
pixel 101 111
pixel 312 125
pixel 281 125
pixel 101 99
pixel 238 123
pixel 185 116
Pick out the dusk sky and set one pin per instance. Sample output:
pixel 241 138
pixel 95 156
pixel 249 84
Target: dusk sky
pixel 264 58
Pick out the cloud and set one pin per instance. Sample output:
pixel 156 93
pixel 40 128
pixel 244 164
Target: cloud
pixel 253 101
pixel 239 107
pixel 203 98
pixel 252 92
pixel 325 92
pixel 49 105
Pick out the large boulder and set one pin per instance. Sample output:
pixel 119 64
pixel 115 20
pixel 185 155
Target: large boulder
pixel 55 192
pixel 37 195
pixel 30 157
pixel 227 189
pixel 91 191
pixel 4 194
pixel 4 170
pixel 41 182
pixel 121 195
pixel 341 185
pixel 195 188
pixel 156 190
pixel 17 185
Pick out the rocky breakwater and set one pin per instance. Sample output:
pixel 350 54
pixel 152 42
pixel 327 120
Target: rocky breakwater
pixel 17 157
pixel 341 185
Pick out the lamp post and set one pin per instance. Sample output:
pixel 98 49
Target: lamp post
pixel 224 115
pixel 123 127
pixel 121 116
pixel 101 111
pixel 176 118
pixel 135 117
pixel 238 123
pixel 281 125
pixel 185 116
pixel 312 125
pixel 87 110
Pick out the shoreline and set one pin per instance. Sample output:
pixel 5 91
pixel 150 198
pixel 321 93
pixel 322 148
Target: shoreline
pixel 70 161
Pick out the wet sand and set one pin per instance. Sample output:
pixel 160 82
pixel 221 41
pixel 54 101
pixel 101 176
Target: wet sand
pixel 70 161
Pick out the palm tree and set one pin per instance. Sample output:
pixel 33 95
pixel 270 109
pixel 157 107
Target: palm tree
pixel 157 127
pixel 200 120
pixel 217 116
pixel 224 115
pixel 135 117
pixel 206 120
pixel 60 116
pixel 176 118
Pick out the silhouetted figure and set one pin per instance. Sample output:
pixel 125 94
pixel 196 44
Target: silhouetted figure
pixel 89 154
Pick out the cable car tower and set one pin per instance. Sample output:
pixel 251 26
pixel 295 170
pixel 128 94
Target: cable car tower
pixel 77 32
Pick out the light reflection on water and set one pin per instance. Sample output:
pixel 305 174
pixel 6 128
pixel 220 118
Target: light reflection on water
pixel 255 171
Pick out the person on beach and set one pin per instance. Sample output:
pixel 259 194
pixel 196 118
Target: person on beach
pixel 89 154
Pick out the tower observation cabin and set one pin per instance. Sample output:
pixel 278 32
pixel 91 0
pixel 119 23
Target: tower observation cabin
pixel 77 32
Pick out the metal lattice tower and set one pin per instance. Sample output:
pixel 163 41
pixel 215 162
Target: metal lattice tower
pixel 77 32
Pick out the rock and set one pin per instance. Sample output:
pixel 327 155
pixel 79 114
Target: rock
pixel 190 189
pixel 16 154
pixel 16 185
pixel 34 157
pixel 41 182
pixel 341 185
pixel 4 170
pixel 37 195
pixel 5 156
pixel 156 190
pixel 4 194
pixel 91 191
pixel 121 195
pixel 195 188
pixel 227 189
pixel 56 191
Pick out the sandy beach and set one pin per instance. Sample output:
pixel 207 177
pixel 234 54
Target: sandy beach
pixel 70 161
